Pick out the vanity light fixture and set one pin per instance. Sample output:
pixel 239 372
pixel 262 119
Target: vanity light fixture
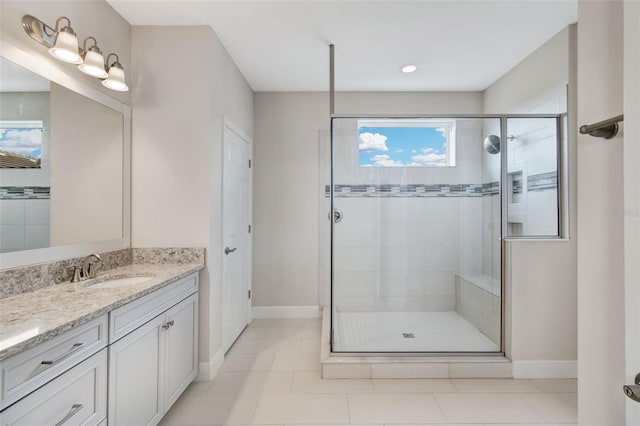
pixel 66 45
pixel 63 44
pixel 115 80
pixel 93 64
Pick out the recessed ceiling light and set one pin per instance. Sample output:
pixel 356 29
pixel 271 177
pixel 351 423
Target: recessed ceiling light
pixel 408 69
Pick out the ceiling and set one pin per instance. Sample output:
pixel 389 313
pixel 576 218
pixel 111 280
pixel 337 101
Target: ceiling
pixel 283 45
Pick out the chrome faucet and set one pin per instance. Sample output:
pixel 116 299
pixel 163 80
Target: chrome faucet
pixel 88 266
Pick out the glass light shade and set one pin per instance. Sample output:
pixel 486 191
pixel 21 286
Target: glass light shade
pixel 66 47
pixel 93 64
pixel 115 80
pixel 408 69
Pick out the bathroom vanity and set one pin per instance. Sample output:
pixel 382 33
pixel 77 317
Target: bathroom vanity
pixel 108 351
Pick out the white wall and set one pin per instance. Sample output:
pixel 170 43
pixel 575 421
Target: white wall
pixel 86 169
pixel 177 150
pixel 542 274
pixel 88 18
pixel 632 199
pixel 601 253
pixel 289 129
pixel 533 82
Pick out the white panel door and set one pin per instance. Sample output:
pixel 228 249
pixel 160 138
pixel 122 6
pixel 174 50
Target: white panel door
pixel 235 233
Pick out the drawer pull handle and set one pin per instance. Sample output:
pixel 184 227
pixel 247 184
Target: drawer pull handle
pixel 74 349
pixel 74 409
pixel 168 325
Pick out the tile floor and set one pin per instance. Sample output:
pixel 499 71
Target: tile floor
pixel 271 376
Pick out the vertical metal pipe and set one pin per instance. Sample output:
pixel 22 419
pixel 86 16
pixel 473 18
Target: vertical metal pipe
pixel 331 81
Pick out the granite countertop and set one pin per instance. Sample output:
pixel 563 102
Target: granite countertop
pixel 31 318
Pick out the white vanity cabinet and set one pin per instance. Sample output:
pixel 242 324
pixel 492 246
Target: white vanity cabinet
pixel 124 368
pixel 151 366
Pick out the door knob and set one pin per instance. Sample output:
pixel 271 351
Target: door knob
pixel 633 391
pixel 228 250
pixel 337 215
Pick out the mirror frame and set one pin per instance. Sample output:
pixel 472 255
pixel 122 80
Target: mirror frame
pixel 48 254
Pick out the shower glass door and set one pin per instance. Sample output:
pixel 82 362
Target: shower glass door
pixel 416 229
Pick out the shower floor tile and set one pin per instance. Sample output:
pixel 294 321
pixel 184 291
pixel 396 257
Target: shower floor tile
pixel 385 332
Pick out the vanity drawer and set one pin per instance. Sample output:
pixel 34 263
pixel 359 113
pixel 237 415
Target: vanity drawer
pixel 78 397
pixel 27 371
pixel 126 318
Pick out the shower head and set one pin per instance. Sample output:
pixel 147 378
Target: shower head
pixel 492 144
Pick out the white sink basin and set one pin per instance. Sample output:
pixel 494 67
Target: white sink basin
pixel 120 282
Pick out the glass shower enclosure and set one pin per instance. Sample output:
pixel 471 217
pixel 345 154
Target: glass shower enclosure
pixel 417 220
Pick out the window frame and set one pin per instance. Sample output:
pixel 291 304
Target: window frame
pixel 450 136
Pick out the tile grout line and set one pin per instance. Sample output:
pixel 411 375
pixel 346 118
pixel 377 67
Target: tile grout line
pixel 534 408
pixel 433 395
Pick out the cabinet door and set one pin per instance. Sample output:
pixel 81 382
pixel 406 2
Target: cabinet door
pixel 181 345
pixel 135 379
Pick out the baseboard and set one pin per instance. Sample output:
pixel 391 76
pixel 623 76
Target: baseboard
pixel 207 371
pixel 545 369
pixel 262 312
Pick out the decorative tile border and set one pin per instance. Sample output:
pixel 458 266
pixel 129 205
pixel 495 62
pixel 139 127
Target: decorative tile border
pixel 542 182
pixel 491 188
pixel 408 190
pixel 539 182
pixel 25 192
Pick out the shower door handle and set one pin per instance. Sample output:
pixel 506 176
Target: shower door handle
pixel 228 250
pixel 337 215
pixel 633 391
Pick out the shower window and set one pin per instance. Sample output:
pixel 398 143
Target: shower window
pixel 533 207
pixel 406 143
pixel 21 143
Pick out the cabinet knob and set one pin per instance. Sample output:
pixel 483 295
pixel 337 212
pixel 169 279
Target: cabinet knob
pixel 168 324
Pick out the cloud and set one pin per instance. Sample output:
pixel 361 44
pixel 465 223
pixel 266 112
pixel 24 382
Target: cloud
pixel 21 141
pixel 428 150
pixel 429 160
pixel 385 161
pixel 442 131
pixel 399 151
pixel 372 142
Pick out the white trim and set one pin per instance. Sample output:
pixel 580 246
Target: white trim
pixel 261 312
pixel 543 369
pixel 207 371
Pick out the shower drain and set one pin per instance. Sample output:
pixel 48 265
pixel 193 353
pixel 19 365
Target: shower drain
pixel 408 335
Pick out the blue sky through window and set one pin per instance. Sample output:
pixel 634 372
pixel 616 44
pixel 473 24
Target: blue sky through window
pixel 402 146
pixel 19 139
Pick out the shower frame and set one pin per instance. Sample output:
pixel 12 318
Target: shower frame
pixel 562 203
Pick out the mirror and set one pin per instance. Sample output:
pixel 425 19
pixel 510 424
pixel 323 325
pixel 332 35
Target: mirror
pixel 61 164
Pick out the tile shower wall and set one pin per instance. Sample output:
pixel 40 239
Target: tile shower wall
pixel 406 232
